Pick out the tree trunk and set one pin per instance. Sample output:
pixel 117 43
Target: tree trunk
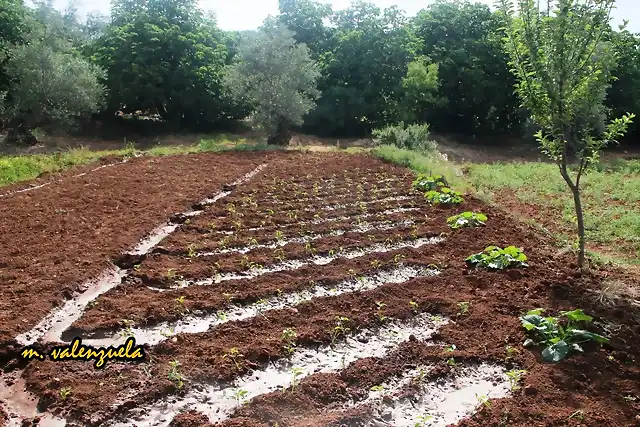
pixel 19 134
pixel 282 135
pixel 575 190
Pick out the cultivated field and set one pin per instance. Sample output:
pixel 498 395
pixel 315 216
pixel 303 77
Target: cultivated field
pixel 289 289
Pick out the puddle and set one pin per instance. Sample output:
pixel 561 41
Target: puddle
pixel 359 228
pixel 50 328
pixel 317 260
pixel 218 401
pixel 195 324
pixel 440 403
pixel 21 405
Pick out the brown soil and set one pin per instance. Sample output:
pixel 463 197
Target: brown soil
pixel 62 235
pixel 595 382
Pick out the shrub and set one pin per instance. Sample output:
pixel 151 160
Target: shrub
pixel 495 258
pixel 466 219
pixel 445 196
pixel 412 137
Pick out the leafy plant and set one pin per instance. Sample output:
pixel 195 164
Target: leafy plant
pixel 410 137
pixel 466 219
pixel 426 182
pixel 295 374
pixel 414 306
pixel 64 393
pixel 340 328
pixel 559 335
pixel 445 196
pixel 484 400
pixel 289 340
pixel 234 354
pixel 191 250
pixel 422 420
pixel 495 258
pixel 240 395
pixel 514 376
pixel 463 308
pixel 174 374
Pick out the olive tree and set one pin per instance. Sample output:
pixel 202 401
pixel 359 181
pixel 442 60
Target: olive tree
pixel 51 87
pixel 563 65
pixel 277 77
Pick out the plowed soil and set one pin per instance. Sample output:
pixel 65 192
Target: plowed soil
pixel 107 212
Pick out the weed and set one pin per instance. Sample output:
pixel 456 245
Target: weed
pixel 557 339
pixel 340 328
pixel 174 374
pixel 466 219
pixel 514 376
pixel 511 351
pixel 495 258
pixel 445 196
pixel 234 354
pixel 289 340
pixel 463 308
pixel 64 393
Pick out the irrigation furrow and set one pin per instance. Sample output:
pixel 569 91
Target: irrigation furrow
pixel 218 401
pixel 200 323
pixel 437 403
pixel 317 260
pixel 323 220
pixel 57 321
pixel 362 228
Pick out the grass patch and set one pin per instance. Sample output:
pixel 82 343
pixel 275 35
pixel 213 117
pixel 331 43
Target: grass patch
pixel 610 195
pixel 14 169
pixel 419 162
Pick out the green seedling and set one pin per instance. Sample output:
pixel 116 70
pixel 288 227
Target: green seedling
pixel 377 388
pixel 279 254
pixel 451 348
pixel 261 304
pixel 484 400
pixel 424 183
pixel 445 196
pixel 234 354
pixel 240 395
pixel 422 420
pixel 559 335
pixel 167 332
pixel 171 274
pixel 467 219
pixel 191 250
pixel 279 235
pixel 463 308
pixel 414 306
pixel 514 376
pixel 579 414
pixel 451 362
pixel 174 374
pixel 253 242
pixel 228 297
pixel 127 331
pixel 381 317
pixel 295 374
pixel 64 393
pixel 375 263
pixel 180 300
pixel 340 328
pixel 222 315
pixel 137 267
pixel 397 259
pixel 309 248
pixel 288 338
pixel 511 351
pixel 495 258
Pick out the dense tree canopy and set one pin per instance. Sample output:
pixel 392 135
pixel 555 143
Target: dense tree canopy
pixel 444 66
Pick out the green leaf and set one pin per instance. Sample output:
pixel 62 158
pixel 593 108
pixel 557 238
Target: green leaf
pixel 556 352
pixel 577 316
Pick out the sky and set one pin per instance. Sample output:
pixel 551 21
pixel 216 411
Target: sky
pixel 249 14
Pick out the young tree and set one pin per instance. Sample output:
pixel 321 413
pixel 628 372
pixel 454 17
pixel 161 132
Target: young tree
pixel 563 67
pixel 277 77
